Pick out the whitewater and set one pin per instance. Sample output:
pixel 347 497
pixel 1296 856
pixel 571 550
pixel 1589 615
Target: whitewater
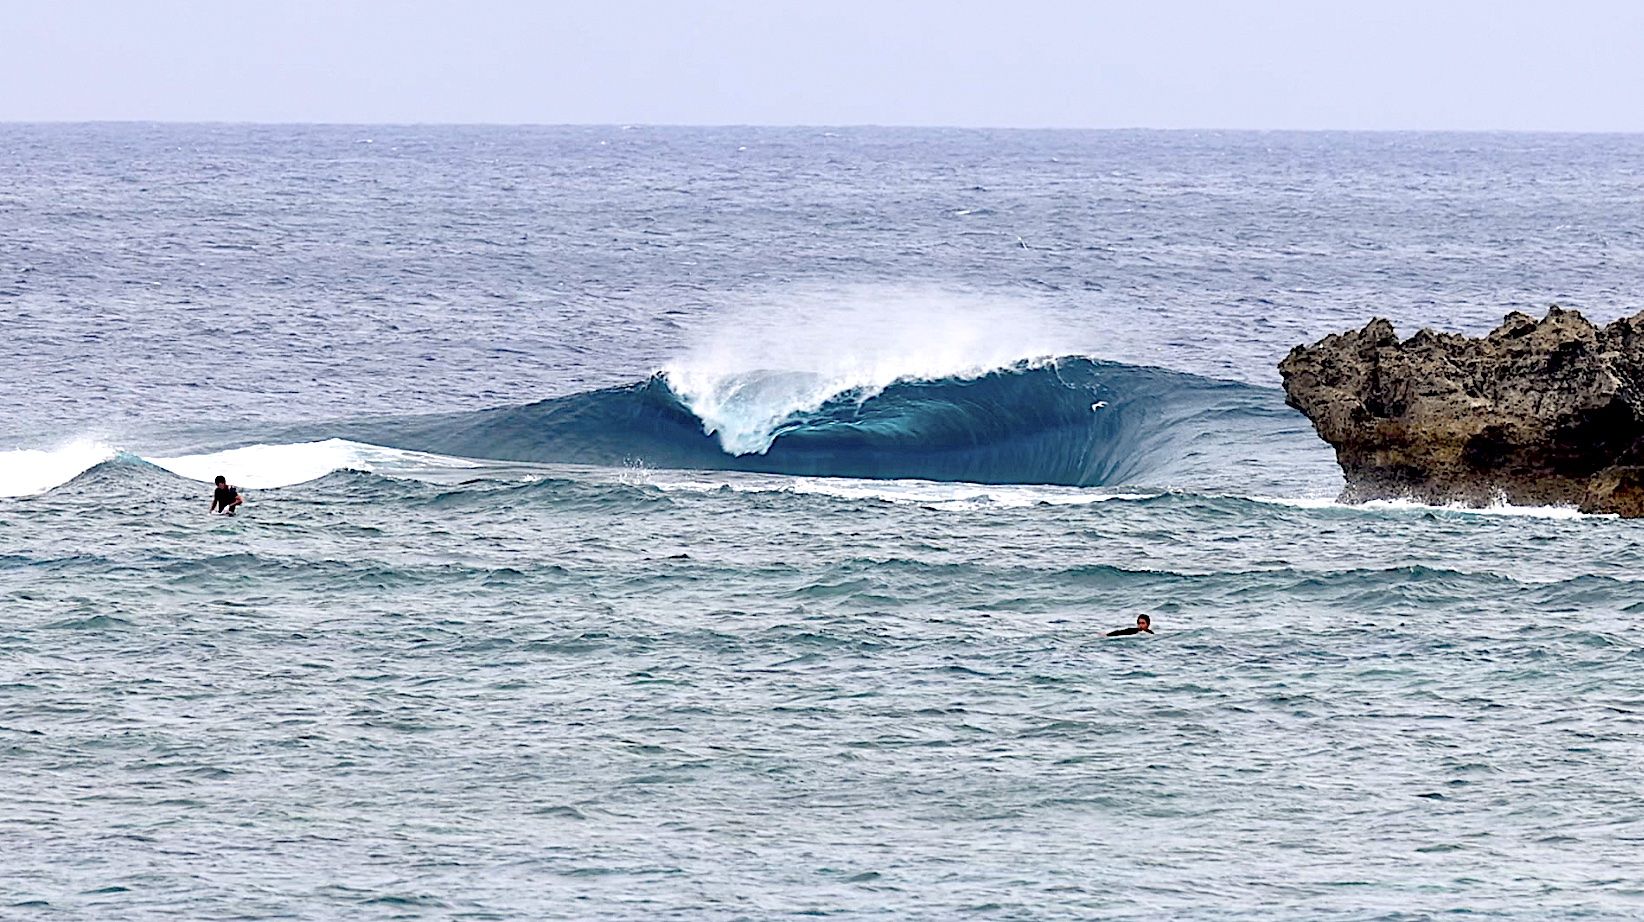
pixel 725 524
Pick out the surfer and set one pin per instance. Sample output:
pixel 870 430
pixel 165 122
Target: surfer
pixel 1144 625
pixel 227 498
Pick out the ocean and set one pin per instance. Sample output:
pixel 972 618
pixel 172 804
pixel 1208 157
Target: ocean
pixel 725 523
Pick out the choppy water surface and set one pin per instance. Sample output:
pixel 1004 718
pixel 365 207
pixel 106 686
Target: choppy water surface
pixel 436 669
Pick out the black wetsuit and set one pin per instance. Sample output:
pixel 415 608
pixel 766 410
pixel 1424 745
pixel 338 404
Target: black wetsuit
pixel 223 499
pixel 1127 631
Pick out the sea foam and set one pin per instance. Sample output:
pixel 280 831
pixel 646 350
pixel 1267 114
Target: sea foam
pixel 267 466
pixel 27 471
pixel 756 367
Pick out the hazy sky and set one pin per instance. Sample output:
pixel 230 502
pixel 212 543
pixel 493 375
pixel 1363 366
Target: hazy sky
pixel 1430 64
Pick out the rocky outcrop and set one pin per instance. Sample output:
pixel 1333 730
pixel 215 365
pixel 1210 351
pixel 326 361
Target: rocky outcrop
pixel 1547 412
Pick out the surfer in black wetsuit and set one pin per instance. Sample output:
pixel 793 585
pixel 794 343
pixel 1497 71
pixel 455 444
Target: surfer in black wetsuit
pixel 227 499
pixel 1144 625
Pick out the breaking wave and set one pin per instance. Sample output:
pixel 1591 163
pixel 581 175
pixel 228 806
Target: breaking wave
pixel 1070 421
pixel 26 472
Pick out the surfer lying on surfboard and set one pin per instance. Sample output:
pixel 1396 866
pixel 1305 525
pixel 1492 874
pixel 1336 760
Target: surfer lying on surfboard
pixel 1144 625
pixel 226 499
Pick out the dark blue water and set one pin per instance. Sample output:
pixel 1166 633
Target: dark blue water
pixel 723 523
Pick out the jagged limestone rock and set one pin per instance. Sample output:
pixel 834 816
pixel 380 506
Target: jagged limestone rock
pixel 1547 412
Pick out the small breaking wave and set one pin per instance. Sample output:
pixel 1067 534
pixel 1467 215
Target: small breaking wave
pixel 28 472
pixel 264 467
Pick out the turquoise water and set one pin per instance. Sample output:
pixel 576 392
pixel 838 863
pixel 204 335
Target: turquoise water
pixel 497 636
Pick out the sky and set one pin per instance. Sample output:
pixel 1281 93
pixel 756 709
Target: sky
pixel 1571 65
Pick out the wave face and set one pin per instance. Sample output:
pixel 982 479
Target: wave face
pixel 1070 421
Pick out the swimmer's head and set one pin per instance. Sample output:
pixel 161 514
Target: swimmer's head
pixel 1144 622
pixel 222 479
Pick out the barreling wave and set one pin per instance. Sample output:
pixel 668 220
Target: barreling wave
pixel 1071 421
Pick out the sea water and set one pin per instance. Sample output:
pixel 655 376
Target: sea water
pixel 724 524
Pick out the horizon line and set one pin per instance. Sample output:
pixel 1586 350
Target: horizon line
pixel 855 126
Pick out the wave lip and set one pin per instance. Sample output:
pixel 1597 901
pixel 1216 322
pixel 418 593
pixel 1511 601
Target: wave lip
pixel 756 369
pixel 748 410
